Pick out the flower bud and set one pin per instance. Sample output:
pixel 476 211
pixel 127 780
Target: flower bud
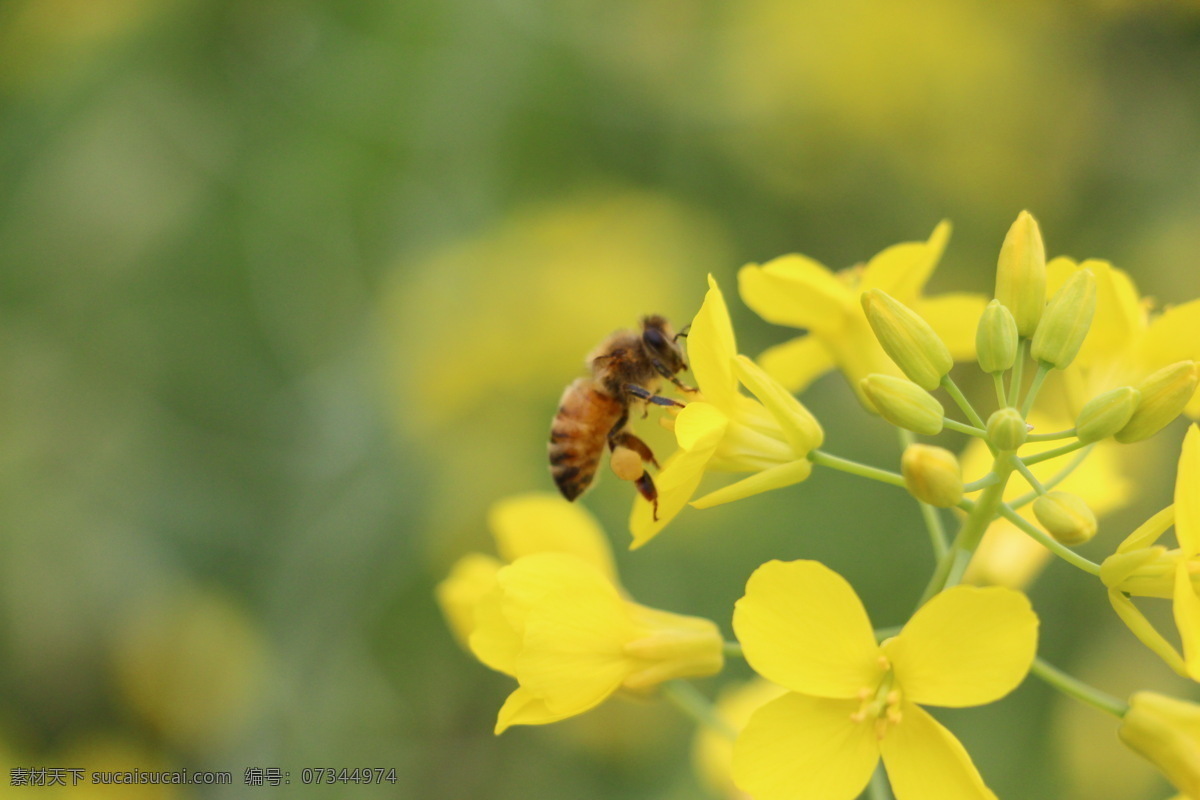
pixel 1021 273
pixel 1166 731
pixel 1066 517
pixel 1164 395
pixel 932 475
pixel 1066 321
pixel 1007 429
pixel 908 339
pixel 1105 414
pixel 904 404
pixel 996 338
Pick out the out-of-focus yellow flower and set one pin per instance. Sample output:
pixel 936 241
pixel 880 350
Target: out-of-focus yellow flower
pixel 1127 341
pixel 852 701
pixel 796 291
pixel 1007 556
pixel 712 750
pixel 1166 731
pixel 522 525
pixel 725 431
pixel 570 638
pixel 1141 568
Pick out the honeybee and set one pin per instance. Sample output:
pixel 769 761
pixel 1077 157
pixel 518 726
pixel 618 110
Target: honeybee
pixel 594 411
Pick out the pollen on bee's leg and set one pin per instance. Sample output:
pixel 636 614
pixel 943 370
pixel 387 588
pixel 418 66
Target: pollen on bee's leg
pixel 627 464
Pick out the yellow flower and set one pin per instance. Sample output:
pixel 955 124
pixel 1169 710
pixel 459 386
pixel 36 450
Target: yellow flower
pixel 564 630
pixel 1141 568
pixel 712 750
pixel 521 525
pixel 852 701
pixel 722 430
pixel 796 291
pixel 1127 342
pixel 1166 731
pixel 1009 557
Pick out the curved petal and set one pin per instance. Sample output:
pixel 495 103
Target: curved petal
pixel 797 363
pixel 1173 336
pixel 1187 494
pixel 902 270
pixel 494 640
pixel 924 761
pixel 805 747
pixel 540 522
pixel 802 626
pixel 700 426
pixel 711 348
pixel 470 579
pixel 773 478
pixel 955 318
pixel 796 291
pixel 965 647
pixel 681 474
pixel 799 426
pixel 1187 619
pixel 1140 627
pixel 524 708
pixel 1120 317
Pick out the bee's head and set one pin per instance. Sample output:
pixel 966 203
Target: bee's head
pixel 662 342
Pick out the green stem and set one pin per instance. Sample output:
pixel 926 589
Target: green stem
pixel 1029 477
pixel 1049 542
pixel 1073 687
pixel 950 568
pixel 952 389
pixel 982 483
pixel 1055 453
pixel 687 698
pixel 962 427
pixel 933 520
pixel 734 650
pixel 998 380
pixel 854 468
pixel 1042 371
pixel 1058 478
pixel 1050 437
pixel 1014 388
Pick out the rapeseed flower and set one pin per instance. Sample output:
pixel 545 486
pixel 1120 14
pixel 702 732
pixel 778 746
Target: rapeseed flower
pixel 1166 731
pixel 722 430
pixel 712 749
pixel 1141 568
pixel 799 292
pixel 853 701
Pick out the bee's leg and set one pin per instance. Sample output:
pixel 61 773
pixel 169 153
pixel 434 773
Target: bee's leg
pixel 628 440
pixel 650 397
pixel 663 370
pixel 645 487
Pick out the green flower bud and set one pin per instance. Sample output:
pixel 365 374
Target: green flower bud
pixel 1066 321
pixel 1105 414
pixel 912 344
pixel 1007 429
pixel 932 475
pixel 904 404
pixel 1021 273
pixel 1166 731
pixel 996 338
pixel 1066 517
pixel 1164 395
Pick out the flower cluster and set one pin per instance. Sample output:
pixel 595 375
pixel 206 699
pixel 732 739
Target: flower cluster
pixel 1080 367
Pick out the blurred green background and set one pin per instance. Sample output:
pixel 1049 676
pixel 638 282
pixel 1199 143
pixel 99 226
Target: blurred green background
pixel 290 289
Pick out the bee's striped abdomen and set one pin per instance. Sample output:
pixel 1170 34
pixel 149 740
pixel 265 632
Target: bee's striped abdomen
pixel 578 435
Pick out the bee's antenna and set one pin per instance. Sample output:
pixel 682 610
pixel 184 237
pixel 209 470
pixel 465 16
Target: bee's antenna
pixel 683 332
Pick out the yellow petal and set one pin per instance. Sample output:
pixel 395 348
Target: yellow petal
pixel 768 479
pixel 797 363
pixel 493 639
pixel 799 426
pixel 712 751
pixel 700 426
pixel 546 523
pixel 711 348
pixel 1187 494
pixel 902 270
pixel 1173 336
pixel 681 474
pixel 575 628
pixel 925 761
pixel 955 318
pixel 802 626
pixel 1137 623
pixel 471 577
pixel 796 291
pixel 1148 532
pixel 805 748
pixel 1187 619
pixel 524 708
pixel 965 647
pixel 1119 319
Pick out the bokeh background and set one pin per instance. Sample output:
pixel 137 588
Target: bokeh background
pixel 290 288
